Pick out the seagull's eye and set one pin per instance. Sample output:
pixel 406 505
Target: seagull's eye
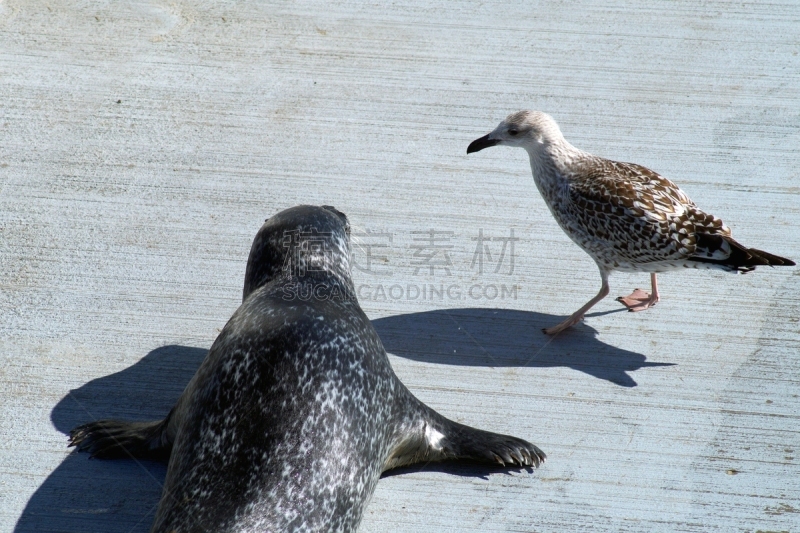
pixel 513 132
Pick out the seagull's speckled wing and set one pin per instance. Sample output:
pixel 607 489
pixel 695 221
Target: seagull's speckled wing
pixel 627 214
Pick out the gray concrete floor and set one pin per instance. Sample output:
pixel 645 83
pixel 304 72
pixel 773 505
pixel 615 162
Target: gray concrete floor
pixel 143 143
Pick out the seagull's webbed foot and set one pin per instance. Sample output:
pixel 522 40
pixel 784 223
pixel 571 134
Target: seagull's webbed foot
pixel 638 300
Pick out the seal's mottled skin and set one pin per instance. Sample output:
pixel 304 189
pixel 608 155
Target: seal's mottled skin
pixel 295 412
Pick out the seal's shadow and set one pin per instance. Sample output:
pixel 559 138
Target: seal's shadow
pixel 503 338
pixel 111 496
pixel 121 496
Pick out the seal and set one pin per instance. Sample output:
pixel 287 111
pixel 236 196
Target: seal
pixel 295 412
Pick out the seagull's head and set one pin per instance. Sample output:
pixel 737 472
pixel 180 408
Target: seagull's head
pixel 531 130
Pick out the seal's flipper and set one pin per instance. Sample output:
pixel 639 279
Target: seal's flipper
pixel 116 439
pixel 468 443
pixel 433 437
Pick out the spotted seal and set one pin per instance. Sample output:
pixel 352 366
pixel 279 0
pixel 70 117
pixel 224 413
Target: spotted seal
pixel 295 411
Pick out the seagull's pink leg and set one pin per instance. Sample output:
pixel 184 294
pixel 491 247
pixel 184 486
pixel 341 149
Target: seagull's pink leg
pixel 577 316
pixel 639 300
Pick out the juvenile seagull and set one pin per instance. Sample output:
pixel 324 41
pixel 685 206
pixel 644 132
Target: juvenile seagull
pixel 625 216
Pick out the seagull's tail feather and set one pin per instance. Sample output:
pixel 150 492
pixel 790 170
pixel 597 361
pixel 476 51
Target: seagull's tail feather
pixel 725 253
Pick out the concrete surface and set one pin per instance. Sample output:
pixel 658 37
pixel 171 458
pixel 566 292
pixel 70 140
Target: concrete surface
pixel 143 143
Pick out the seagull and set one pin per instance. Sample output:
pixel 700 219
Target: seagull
pixel 625 216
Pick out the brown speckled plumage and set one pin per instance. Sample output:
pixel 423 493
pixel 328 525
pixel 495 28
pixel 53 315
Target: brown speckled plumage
pixel 625 216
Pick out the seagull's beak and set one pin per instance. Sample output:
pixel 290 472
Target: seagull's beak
pixel 480 144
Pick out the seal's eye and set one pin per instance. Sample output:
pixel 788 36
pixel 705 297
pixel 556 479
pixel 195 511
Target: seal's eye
pixel 513 132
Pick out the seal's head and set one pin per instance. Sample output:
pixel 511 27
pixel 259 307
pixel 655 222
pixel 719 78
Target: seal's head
pixel 301 243
pixel 526 129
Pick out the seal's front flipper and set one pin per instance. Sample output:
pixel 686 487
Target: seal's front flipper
pixel 432 437
pixel 116 439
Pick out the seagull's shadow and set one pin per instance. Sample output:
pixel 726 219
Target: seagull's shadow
pixel 505 337
pixel 121 496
